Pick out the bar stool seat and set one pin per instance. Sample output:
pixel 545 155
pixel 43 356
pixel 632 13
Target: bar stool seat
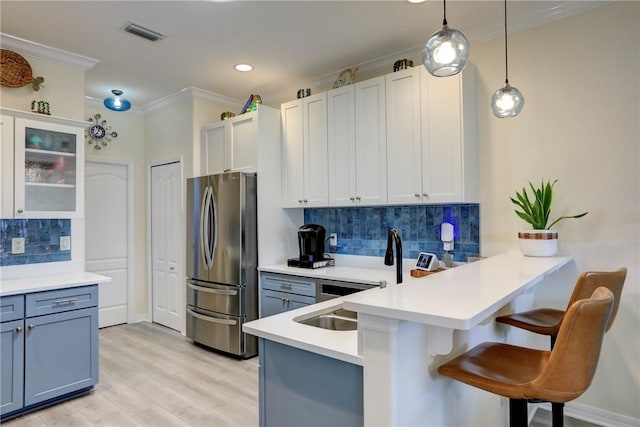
pixel 547 321
pixel 556 376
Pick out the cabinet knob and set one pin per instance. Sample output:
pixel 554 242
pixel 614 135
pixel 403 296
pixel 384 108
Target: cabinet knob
pixel 417 194
pixel 358 198
pixel 299 200
pixel 172 268
pixel 31 326
pixel 305 200
pixel 353 199
pixel 425 195
pixel 18 329
pixel 20 210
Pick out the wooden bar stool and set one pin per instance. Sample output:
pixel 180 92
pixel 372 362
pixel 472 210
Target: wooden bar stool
pixel 556 376
pixel 547 321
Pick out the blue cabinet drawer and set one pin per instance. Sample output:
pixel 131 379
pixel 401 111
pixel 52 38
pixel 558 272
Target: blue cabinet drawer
pixel 274 302
pixel 11 308
pixel 291 284
pixel 57 301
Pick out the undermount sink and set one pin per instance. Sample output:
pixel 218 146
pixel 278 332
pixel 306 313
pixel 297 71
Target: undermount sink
pixel 339 320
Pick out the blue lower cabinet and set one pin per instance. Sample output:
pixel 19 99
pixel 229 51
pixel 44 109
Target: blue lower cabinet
pixel 51 353
pixel 300 388
pixel 61 354
pixel 11 365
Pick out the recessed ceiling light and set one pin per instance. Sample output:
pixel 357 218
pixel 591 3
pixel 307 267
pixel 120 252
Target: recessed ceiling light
pixel 416 1
pixel 244 67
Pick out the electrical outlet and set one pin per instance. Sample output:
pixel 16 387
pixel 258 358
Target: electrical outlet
pixel 17 245
pixel 333 239
pixel 65 243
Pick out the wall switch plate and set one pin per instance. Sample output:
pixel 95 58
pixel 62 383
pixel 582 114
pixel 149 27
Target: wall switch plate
pixel 65 243
pixel 17 245
pixel 333 239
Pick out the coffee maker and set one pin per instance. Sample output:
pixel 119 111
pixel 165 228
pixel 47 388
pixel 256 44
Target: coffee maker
pixel 311 238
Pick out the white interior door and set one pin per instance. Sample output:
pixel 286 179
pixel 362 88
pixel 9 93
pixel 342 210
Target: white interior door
pixel 108 214
pixel 167 232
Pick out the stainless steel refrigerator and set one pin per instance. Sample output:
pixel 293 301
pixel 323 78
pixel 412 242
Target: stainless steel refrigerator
pixel 222 260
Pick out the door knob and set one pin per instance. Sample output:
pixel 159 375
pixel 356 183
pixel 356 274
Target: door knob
pixel 18 329
pixel 31 326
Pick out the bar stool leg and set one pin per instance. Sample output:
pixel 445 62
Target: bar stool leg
pixel 557 417
pixel 518 416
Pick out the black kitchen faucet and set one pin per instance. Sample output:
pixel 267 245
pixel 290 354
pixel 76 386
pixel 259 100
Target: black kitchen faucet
pixel 394 235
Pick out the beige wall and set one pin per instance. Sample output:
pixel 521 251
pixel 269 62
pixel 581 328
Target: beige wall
pixel 63 90
pixel 580 80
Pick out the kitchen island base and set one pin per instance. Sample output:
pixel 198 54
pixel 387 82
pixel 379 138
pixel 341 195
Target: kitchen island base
pixel 300 388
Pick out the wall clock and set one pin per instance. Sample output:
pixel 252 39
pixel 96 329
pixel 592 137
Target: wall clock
pixel 99 133
pixel 345 77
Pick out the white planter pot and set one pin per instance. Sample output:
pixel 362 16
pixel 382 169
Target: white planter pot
pixel 538 243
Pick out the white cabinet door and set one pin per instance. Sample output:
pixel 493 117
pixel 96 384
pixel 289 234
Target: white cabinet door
pixel 215 151
pixel 342 146
pixel 243 142
pixel 292 154
pixel 357 144
pixel 316 184
pixel 48 169
pixel 371 142
pixel 441 138
pixel 231 145
pixel 6 166
pixel 304 152
pixel 404 154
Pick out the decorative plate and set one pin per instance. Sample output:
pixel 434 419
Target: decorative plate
pixel 346 77
pixel 15 71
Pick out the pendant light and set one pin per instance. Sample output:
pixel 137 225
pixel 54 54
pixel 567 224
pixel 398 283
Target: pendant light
pixel 116 102
pixel 508 100
pixel 445 53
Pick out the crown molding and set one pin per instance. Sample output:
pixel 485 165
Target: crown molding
pixel 189 93
pixel 47 53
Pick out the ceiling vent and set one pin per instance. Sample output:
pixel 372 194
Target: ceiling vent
pixel 143 32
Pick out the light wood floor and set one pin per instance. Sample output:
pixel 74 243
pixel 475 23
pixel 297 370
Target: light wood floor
pixel 153 376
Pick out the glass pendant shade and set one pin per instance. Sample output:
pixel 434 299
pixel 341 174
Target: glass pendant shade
pixel 507 102
pixel 445 53
pixel 116 102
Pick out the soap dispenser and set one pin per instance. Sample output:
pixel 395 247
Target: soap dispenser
pixel 446 235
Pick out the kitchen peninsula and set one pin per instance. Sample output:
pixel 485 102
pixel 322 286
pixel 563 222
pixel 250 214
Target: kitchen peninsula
pixel 404 333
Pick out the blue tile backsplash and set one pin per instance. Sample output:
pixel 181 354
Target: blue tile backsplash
pixel 363 230
pixel 42 240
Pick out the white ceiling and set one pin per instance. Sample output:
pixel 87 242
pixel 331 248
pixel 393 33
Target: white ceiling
pixel 290 43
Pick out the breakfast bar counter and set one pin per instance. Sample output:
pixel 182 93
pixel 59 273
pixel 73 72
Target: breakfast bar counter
pixel 406 331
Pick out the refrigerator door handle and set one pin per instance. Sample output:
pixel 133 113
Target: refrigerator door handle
pixel 211 319
pixel 213 230
pixel 204 245
pixel 212 290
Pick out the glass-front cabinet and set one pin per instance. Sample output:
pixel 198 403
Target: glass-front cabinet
pixel 48 168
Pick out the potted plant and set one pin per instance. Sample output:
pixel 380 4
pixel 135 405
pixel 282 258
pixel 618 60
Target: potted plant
pixel 542 240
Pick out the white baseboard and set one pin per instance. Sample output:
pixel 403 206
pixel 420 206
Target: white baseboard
pixel 596 415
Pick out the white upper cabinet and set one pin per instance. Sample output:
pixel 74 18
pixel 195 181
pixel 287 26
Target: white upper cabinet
pixel 404 138
pixel 431 137
pixel 230 145
pixel 304 152
pixel 449 141
pixel 404 152
pixel 43 173
pixel 357 144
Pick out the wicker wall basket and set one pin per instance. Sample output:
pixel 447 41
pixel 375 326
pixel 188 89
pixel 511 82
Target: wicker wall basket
pixel 15 71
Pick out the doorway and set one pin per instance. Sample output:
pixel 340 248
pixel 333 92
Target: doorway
pixel 109 236
pixel 166 234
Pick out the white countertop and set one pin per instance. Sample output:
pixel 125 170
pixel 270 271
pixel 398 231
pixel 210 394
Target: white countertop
pixel 49 282
pixel 461 297
pixel 282 328
pixel 458 298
